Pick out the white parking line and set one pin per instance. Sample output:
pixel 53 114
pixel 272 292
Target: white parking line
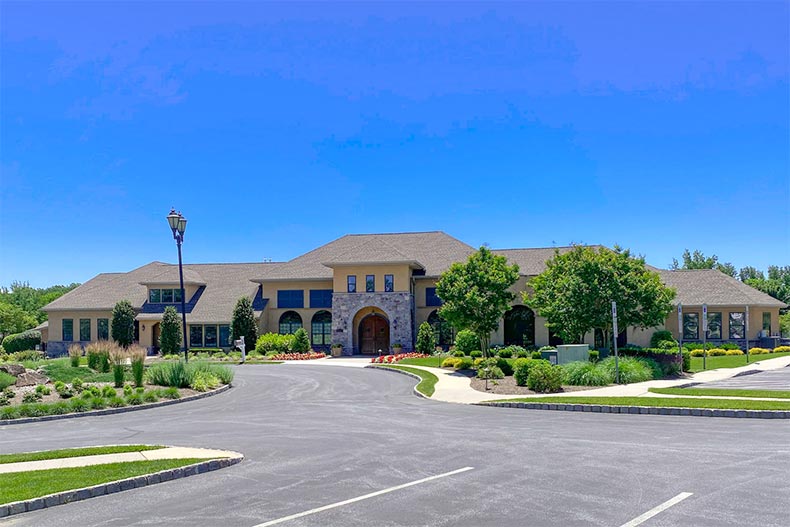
pixel 360 498
pixel 655 510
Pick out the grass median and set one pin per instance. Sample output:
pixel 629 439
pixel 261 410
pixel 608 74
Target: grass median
pixel 74 452
pixel 670 402
pixel 722 392
pixel 428 383
pixel 731 361
pixel 20 486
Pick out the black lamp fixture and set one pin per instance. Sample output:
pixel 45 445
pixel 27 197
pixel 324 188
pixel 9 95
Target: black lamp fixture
pixel 178 224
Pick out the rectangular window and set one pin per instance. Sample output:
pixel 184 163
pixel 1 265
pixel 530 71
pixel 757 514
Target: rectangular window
pixel 195 336
pixel 177 295
pixel 85 329
pixel 389 283
pixel 370 283
pixel 210 337
pixel 68 329
pixel 714 326
pixel 224 336
pixel 103 329
pixel 290 298
pixel 351 281
pixel 767 322
pixel 320 298
pixel 167 296
pixel 737 325
pixel 690 326
pixel 430 297
pixel 155 296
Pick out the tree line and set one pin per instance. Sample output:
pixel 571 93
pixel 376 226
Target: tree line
pixel 20 305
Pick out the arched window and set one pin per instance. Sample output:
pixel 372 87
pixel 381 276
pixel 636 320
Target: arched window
pixel 442 329
pixel 290 321
pixel 321 327
pixel 520 326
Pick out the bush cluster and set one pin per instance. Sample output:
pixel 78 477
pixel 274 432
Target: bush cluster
pixel 270 343
pixel 522 367
pixel 27 340
pixel 467 341
pixel 544 378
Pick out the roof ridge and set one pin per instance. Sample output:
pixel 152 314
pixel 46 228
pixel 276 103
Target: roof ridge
pixel 394 233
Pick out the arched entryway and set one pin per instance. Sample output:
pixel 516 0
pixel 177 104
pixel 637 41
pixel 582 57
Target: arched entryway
pixel 520 326
pixel 321 329
pixel 374 335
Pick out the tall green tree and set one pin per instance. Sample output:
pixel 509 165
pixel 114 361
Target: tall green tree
pixel 31 300
pixel 243 323
pixel 777 284
pixel 750 273
pixel 476 294
pixel 576 291
pixel 13 319
pixel 122 325
pixel 170 334
pixel 697 260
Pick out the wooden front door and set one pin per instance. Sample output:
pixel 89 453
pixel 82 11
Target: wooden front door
pixel 374 335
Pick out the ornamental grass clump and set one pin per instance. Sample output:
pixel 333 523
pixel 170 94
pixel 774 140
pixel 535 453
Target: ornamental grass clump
pixel 584 373
pixel 137 356
pixel 631 369
pixel 203 381
pixel 118 356
pixel 173 374
pixel 75 352
pixel 98 355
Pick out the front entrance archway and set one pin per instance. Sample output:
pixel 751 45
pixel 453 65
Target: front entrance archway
pixel 374 335
pixel 520 326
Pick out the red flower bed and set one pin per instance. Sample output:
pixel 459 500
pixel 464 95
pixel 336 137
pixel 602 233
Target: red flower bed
pixel 298 356
pixel 390 359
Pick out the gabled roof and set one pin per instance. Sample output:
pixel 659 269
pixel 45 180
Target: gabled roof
pixel 435 251
pixel 712 287
pixel 226 283
pixel 169 276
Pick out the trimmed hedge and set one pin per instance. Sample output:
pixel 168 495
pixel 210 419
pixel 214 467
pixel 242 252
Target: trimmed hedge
pixel 27 340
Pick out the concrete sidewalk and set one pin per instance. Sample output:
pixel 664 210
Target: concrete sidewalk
pixel 102 459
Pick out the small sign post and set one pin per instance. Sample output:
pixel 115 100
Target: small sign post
pixel 746 334
pixel 680 335
pixel 614 339
pixel 704 336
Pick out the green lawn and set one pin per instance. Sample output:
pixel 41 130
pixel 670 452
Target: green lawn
pixel 34 484
pixel 722 392
pixel 730 361
pixel 61 370
pixel 674 402
pixel 428 383
pixel 74 452
pixel 434 361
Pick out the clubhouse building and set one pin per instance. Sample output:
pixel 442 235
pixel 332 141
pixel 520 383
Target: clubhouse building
pixel 369 292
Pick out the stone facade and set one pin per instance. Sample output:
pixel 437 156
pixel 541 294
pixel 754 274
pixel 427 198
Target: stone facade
pixel 397 307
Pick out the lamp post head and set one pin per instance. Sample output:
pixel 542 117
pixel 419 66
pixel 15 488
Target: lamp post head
pixel 177 222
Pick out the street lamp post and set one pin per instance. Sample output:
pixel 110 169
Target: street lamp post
pixel 178 224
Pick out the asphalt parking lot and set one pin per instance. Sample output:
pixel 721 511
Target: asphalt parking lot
pixel 348 446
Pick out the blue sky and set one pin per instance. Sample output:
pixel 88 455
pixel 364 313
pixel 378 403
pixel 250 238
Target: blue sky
pixel 278 127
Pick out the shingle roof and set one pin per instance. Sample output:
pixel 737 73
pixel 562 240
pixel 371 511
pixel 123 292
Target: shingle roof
pixel 435 251
pixel 169 275
pixel 226 284
pixel 710 286
pixel 533 261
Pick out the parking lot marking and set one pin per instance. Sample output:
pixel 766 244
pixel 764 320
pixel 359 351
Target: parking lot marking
pixel 360 498
pixel 655 510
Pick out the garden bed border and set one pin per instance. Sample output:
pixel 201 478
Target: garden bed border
pixel 651 410
pixel 108 411
pixel 111 487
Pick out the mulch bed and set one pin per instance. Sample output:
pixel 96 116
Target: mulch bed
pixel 508 386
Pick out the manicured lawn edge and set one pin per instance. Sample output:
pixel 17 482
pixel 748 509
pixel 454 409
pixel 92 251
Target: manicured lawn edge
pixel 61 498
pixel 108 411
pixel 731 361
pixel 722 392
pixel 65 453
pixel 649 405
pixel 428 380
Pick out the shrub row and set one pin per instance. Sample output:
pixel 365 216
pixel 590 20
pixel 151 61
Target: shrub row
pixel 27 340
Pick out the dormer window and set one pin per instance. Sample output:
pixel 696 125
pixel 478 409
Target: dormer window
pixel 164 296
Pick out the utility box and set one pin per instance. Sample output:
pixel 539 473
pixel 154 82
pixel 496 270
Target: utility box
pixel 572 352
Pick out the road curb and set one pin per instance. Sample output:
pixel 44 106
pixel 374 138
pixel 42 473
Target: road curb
pixel 651 410
pixel 69 496
pixel 109 411
pixel 402 372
